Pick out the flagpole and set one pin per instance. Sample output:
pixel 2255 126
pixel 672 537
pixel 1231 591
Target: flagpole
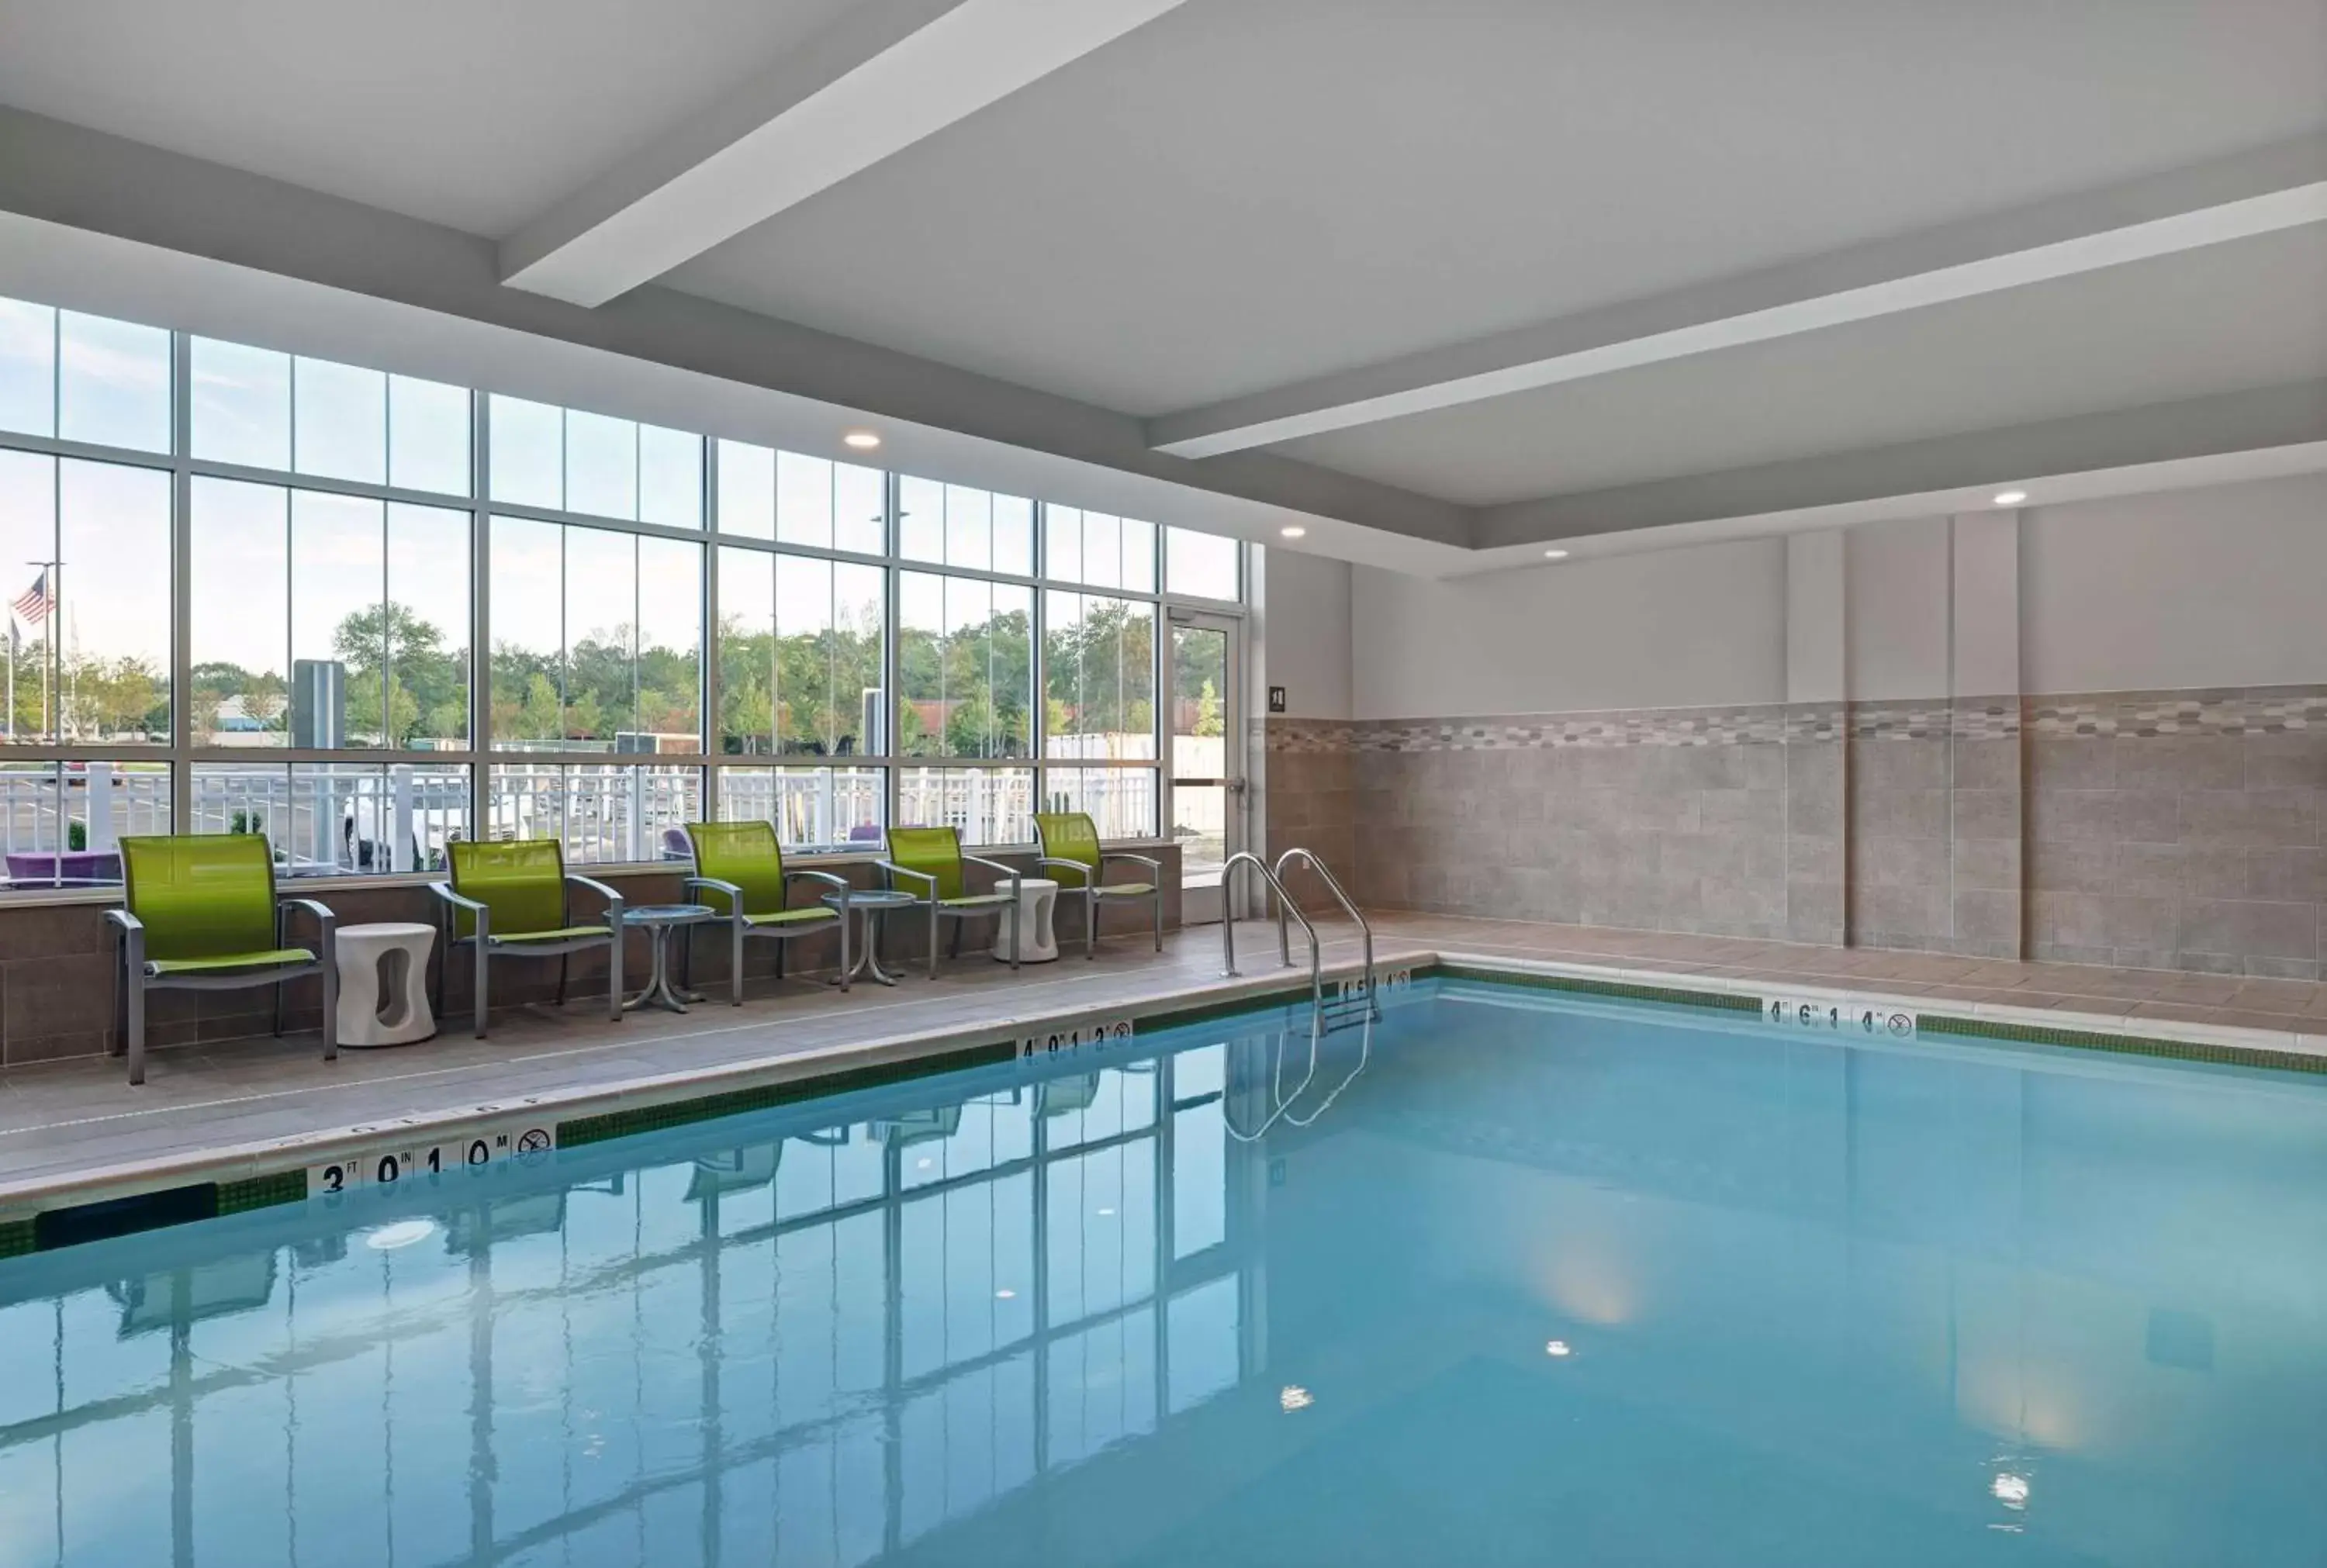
pixel 47 584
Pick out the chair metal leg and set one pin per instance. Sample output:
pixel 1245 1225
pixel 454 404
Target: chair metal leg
pixel 565 967
pixel 479 1005
pixel 1090 920
pixel 1156 900
pixel 845 964
pixel 933 936
pixel 953 947
pixel 614 979
pixel 133 1022
pixel 736 962
pixel 132 1004
pixel 278 1010
pixel 331 1005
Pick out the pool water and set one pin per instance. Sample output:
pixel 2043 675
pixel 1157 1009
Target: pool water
pixel 1515 1278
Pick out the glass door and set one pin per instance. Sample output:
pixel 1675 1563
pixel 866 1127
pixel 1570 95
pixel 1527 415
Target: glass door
pixel 1207 756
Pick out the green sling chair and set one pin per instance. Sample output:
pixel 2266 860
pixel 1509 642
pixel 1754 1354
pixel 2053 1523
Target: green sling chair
pixel 742 866
pixel 201 914
pixel 1071 853
pixel 933 857
pixel 509 900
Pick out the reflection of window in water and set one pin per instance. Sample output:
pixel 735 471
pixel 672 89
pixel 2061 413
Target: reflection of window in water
pixel 733 1170
pixel 504 1219
pixel 861 1319
pixel 210 1290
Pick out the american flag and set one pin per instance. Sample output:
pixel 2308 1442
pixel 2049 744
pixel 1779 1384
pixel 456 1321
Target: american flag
pixel 34 603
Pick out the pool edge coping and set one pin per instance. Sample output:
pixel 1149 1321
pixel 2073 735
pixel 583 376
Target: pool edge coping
pixel 2288 1050
pixel 256 1175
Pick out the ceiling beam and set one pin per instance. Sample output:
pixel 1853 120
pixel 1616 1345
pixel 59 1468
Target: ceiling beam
pixel 1970 468
pixel 2279 186
pixel 884 76
pixel 117 228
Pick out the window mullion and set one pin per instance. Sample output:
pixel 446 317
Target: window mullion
pixel 707 684
pixel 480 694
pixel 182 586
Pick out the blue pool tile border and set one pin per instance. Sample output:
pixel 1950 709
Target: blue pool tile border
pixel 2009 1031
pixel 70 1225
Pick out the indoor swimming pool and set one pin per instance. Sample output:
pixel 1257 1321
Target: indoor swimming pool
pixel 1516 1276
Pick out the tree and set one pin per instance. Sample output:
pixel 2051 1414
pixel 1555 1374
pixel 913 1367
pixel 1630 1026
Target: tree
pixel 540 717
pixel 394 656
pixel 1207 710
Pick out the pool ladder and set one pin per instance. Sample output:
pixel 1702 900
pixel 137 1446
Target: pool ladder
pixel 1360 1006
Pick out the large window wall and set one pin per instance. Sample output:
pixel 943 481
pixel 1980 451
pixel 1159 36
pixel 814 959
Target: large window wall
pixel 368 614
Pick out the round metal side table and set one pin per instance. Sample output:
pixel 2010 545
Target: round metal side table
pixel 659 921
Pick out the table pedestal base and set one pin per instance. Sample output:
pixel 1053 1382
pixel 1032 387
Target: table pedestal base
pixel 660 991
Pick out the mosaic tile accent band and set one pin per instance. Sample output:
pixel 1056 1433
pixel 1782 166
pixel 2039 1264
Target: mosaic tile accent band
pixel 1966 719
pixel 1750 725
pixel 2131 715
pixel 2255 711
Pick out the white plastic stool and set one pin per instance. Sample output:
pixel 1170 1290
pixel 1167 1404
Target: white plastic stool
pixel 384 983
pixel 1038 903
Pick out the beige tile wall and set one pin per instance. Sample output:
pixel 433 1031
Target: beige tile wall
pixel 2182 830
pixel 1935 830
pixel 2179 840
pixel 1678 821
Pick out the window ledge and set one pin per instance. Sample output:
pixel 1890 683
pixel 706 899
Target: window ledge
pixel 70 898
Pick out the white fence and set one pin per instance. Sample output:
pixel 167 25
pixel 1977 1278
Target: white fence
pixel 329 819
pixel 812 808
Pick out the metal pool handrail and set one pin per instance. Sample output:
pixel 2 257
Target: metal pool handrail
pixel 1349 907
pixel 1284 903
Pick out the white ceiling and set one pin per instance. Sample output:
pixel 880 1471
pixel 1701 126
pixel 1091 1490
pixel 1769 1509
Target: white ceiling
pixel 1251 192
pixel 1244 194
pixel 2250 313
pixel 475 113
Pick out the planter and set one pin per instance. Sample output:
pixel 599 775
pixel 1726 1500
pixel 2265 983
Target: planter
pixel 71 866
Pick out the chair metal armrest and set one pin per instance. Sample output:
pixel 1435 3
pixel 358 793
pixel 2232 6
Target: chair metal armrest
pixel 920 876
pixel 456 904
pixel 127 923
pixel 327 923
pixel 574 879
pixel 1153 865
pixel 712 884
pixel 443 890
pixel 1002 873
pixel 839 884
pixel 1052 863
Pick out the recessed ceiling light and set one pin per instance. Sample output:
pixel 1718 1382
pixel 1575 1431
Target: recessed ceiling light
pixel 1294 531
pixel 1004 1295
pixel 1554 555
pixel 2010 498
pixel 1557 1348
pixel 403 1233
pixel 1295 1398
pixel 2011 1490
pixel 861 440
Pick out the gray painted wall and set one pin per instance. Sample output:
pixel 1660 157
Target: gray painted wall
pixel 1687 628
pixel 1305 632
pixel 2224 587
